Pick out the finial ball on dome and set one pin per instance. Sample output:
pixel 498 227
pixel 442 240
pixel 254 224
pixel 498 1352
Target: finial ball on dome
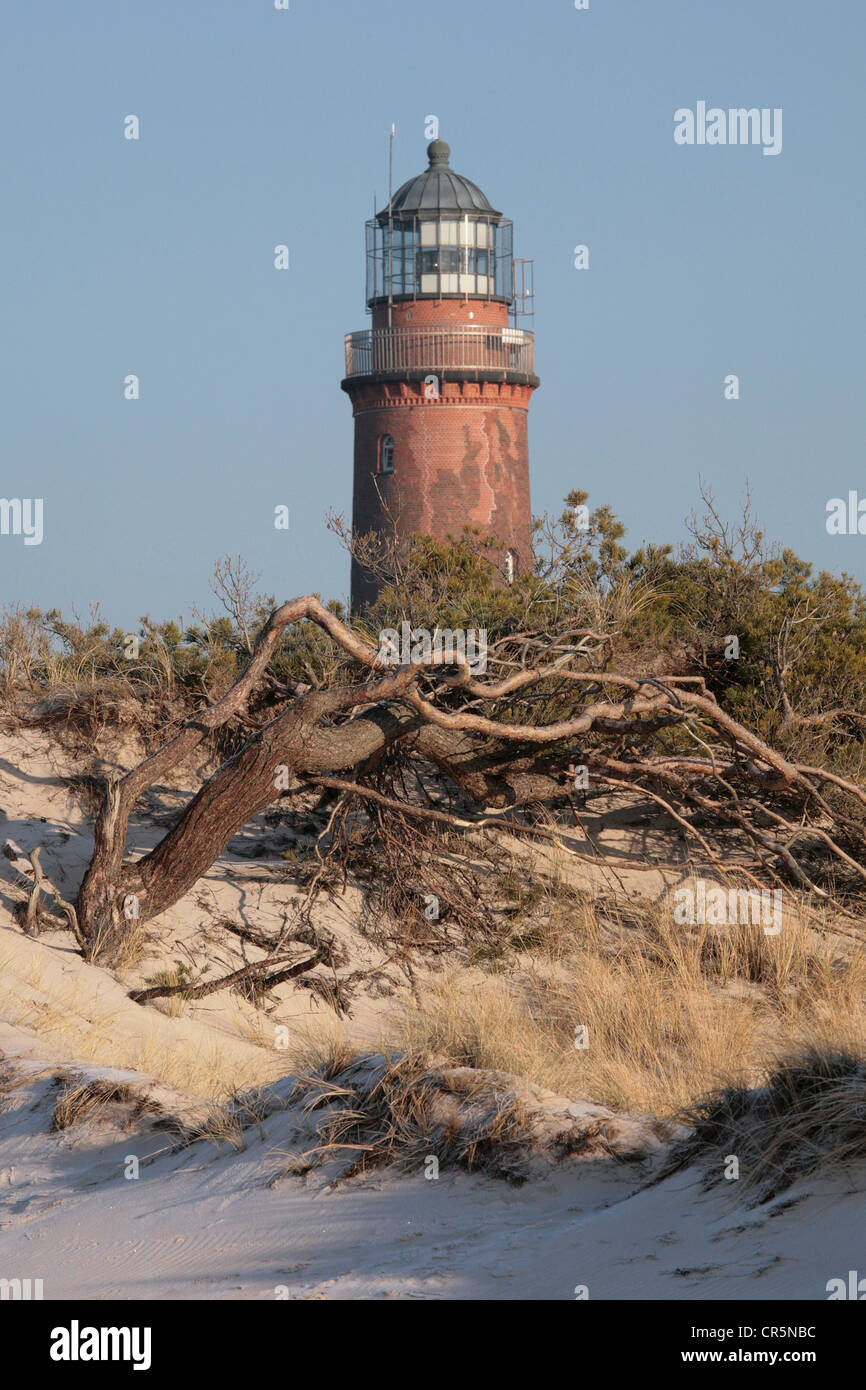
pixel 439 153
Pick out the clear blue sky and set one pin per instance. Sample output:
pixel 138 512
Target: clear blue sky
pixel 261 127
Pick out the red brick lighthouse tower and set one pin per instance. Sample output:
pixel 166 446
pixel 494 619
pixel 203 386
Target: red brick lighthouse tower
pixel 440 384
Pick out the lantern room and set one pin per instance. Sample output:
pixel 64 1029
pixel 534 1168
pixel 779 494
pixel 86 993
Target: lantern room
pixel 439 238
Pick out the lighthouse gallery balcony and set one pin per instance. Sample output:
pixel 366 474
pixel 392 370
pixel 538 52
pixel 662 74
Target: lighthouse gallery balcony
pixel 499 353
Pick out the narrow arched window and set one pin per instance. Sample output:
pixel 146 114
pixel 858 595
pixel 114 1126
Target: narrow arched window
pixel 510 567
pixel 386 454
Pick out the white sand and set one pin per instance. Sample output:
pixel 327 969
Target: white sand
pixel 203 1223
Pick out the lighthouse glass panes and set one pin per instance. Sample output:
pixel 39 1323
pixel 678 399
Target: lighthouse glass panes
pixel 436 257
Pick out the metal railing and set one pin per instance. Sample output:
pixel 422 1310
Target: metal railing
pixel 474 347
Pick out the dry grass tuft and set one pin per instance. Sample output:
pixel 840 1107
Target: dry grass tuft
pixel 324 1052
pixel 403 1110
pixel 93 1099
pixel 665 1011
pixel 222 1125
pixel 809 1114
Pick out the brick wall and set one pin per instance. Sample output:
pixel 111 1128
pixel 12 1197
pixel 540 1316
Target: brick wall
pixel 460 460
pixel 419 313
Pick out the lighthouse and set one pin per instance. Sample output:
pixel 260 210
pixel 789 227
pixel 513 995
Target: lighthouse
pixel 440 384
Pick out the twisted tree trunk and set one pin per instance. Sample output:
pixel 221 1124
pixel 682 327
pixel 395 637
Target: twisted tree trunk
pixel 497 764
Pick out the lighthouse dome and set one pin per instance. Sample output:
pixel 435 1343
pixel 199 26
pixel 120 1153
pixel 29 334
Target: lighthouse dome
pixel 439 190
